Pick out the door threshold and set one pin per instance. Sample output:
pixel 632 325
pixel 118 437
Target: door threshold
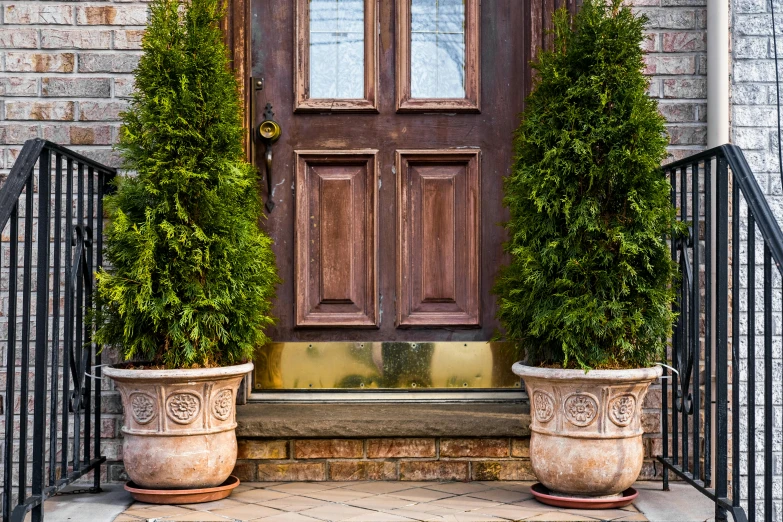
pixel 390 396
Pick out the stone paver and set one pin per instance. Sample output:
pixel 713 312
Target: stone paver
pixel 375 502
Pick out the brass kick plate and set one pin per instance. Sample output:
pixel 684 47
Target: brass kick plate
pixel 388 365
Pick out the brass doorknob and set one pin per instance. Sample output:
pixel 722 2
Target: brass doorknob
pixel 269 130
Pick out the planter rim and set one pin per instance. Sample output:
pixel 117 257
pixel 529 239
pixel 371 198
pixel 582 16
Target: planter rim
pixel 632 374
pixel 122 374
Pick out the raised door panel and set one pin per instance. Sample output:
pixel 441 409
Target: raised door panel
pixel 336 239
pixel 438 227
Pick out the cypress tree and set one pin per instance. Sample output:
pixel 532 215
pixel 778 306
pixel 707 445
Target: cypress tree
pixel 191 274
pixel 590 282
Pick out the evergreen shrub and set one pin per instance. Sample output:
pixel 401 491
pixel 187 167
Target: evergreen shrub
pixel 590 282
pixel 191 275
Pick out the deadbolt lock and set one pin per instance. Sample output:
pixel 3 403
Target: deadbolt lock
pixel 269 130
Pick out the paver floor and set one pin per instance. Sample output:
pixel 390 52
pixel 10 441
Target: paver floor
pixel 374 502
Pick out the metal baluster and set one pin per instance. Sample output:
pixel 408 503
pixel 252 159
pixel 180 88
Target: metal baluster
pixel 721 334
pixel 98 234
pixel 735 342
pixel 676 348
pixel 58 193
pixel 664 381
pixel 684 323
pixel 88 232
pixel 41 331
pixel 67 318
pixel 708 322
pixel 751 389
pixel 26 305
pixel 78 347
pixel 695 316
pixel 767 383
pixel 13 262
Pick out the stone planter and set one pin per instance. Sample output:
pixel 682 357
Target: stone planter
pixel 178 428
pixel 586 433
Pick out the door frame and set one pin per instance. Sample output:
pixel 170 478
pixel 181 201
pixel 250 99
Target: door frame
pixel 238 39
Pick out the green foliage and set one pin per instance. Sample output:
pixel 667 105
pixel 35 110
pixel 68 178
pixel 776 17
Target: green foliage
pixel 192 276
pixel 590 279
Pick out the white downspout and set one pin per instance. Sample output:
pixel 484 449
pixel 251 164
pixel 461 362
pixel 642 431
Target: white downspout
pixel 717 72
pixel 717 134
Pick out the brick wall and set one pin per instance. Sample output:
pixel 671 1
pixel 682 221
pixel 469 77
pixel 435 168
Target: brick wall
pixel 65 74
pixel 677 66
pixel 384 459
pixel 65 71
pixel 753 127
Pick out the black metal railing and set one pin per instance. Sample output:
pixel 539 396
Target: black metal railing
pixel 716 193
pixel 51 217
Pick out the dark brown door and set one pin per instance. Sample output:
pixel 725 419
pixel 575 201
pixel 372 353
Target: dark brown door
pixel 397 118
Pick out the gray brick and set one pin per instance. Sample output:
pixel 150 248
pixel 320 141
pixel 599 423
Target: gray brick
pixel 101 110
pixel 688 135
pixel 679 112
pixel 108 62
pixel 111 15
pixel 128 39
pixel 753 25
pixel 76 87
pixel 78 134
pixel 754 71
pixel 661 18
pixel 123 87
pixel 39 110
pixel 81 38
pixel 107 156
pixel 750 6
pixel 18 86
pixel 751 47
pixel 748 94
pixel 38 13
pixel 654 89
pixel 684 41
pixel 650 42
pixel 670 64
pixel 751 138
pixel 17 133
pixel 763 161
pixel 39 62
pixel 684 88
pixel 754 116
pixel 18 38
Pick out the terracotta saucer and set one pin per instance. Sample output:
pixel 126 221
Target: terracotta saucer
pixel 545 496
pixel 182 496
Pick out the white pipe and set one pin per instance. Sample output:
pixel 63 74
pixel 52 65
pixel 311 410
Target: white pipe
pixel 718 60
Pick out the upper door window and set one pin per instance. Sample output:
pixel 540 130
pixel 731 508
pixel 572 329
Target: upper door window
pixel 336 64
pixel 438 55
pixel 437 49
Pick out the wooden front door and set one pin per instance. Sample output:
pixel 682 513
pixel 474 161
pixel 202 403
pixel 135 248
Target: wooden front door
pixel 397 119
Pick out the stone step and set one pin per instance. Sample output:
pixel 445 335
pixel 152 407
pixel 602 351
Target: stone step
pixel 348 442
pixel 502 419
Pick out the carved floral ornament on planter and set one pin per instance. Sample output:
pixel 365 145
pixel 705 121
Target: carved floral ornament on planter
pixel 183 407
pixel 581 409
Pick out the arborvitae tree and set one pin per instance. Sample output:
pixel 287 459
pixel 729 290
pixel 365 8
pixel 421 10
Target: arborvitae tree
pixel 590 279
pixel 191 275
